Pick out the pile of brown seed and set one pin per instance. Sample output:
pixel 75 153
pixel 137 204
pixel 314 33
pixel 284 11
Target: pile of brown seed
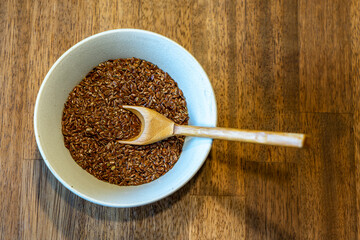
pixel 93 121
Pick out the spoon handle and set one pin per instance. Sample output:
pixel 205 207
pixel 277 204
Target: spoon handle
pixel 232 134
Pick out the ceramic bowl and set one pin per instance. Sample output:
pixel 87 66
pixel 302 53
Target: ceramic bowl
pixel 72 67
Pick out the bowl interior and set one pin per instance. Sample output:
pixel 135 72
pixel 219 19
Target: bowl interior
pixel 72 67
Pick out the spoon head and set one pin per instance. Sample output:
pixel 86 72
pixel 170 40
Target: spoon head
pixel 154 126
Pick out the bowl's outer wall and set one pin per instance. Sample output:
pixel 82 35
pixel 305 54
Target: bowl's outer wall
pixel 72 67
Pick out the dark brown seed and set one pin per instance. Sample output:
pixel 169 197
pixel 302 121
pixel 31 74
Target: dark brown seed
pixel 93 121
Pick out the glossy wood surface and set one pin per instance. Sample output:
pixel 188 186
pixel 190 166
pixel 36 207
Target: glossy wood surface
pixel 275 65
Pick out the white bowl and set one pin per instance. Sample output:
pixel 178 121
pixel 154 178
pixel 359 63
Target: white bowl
pixel 72 67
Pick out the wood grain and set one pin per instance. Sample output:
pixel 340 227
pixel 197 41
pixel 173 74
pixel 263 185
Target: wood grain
pixel 275 65
pixel 328 182
pixel 355 70
pixel 215 212
pixel 272 211
pixel 325 52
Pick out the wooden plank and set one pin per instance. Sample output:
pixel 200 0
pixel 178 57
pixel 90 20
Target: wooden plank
pixel 312 198
pixel 325 56
pixel 261 86
pixel 169 18
pixel 271 205
pixel 269 96
pixel 327 183
pixel 355 69
pixel 50 211
pixel 272 77
pixel 218 46
pixel 117 14
pixel 217 217
pixel 168 218
pixel 14 42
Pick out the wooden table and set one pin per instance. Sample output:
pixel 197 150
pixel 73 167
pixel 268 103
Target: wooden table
pixel 274 65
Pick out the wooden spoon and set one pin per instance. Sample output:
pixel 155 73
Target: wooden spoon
pixel 156 127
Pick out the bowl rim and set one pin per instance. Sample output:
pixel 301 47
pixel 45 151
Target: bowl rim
pixel 181 183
